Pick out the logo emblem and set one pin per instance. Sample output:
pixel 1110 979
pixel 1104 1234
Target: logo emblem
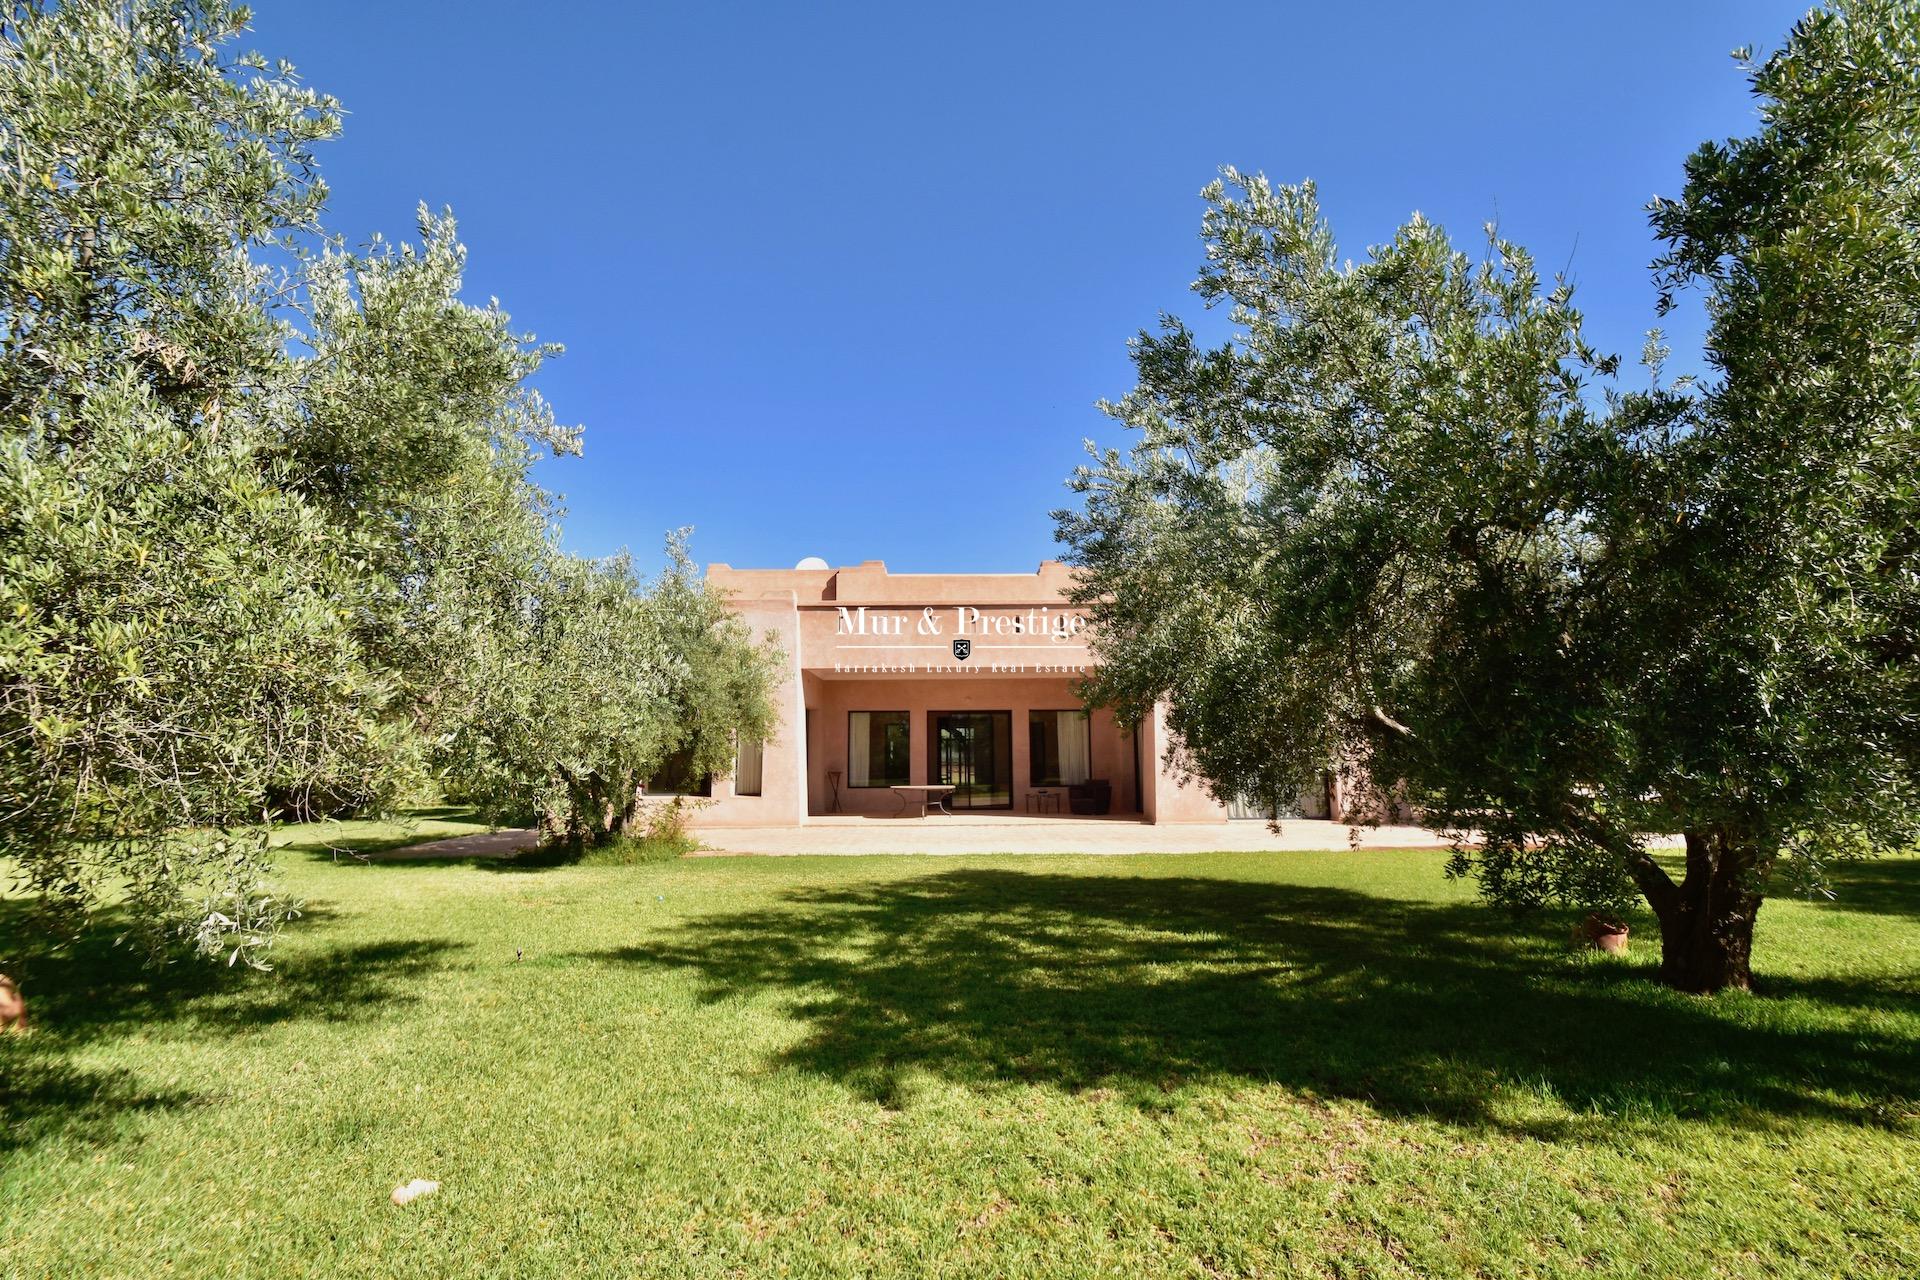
pixel 962 649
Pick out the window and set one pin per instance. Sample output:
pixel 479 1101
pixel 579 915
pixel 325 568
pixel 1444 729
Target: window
pixel 878 751
pixel 747 761
pixel 1059 747
pixel 675 777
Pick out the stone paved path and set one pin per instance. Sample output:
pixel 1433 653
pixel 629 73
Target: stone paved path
pixel 1007 833
pixel 974 834
pixel 481 844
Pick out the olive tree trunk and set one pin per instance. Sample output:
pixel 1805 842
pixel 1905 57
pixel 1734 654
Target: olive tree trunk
pixel 1706 921
pixel 599 808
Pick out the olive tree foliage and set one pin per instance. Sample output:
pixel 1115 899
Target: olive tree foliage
pixel 255 519
pixel 1408 520
pixel 606 678
pixel 414 434
pixel 171 620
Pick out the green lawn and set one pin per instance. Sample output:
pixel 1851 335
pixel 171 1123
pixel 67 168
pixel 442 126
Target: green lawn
pixel 1219 1065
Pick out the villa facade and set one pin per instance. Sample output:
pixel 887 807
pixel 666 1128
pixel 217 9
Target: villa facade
pixel 949 691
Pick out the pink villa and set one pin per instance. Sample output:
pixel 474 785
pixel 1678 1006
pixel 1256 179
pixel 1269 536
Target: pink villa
pixel 944 693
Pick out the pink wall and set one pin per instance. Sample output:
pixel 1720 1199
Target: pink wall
pixel 1167 800
pixel 862 639
pixel 831 699
pixel 783 789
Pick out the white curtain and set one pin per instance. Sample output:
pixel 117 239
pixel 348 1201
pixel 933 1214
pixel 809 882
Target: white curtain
pixel 1076 749
pixel 860 749
pixel 746 767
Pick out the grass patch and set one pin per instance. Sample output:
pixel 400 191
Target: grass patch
pixel 625 851
pixel 636 851
pixel 1214 1065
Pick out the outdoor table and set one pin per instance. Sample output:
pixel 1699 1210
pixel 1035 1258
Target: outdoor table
pixel 1043 801
pixel 923 796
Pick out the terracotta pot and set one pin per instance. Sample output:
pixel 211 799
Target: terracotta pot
pixel 13 1006
pixel 1605 935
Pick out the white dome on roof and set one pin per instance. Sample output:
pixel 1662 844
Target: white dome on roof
pixel 812 562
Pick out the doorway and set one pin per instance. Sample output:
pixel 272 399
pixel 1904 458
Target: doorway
pixel 973 754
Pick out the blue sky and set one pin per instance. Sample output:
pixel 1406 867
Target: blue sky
pixel 846 280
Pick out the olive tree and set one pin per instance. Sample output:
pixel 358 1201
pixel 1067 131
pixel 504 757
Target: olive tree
pixel 263 502
pixel 1407 519
pixel 171 625
pixel 606 678
pixel 413 434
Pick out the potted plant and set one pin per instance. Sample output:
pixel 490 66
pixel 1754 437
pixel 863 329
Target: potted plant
pixel 1602 932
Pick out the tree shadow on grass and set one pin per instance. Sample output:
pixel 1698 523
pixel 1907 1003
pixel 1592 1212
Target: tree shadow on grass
pixel 91 991
pixel 43 1097
pixel 534 859
pixel 526 862
pixel 1878 886
pixel 1145 985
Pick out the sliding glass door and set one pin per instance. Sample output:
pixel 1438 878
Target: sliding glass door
pixel 973 754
